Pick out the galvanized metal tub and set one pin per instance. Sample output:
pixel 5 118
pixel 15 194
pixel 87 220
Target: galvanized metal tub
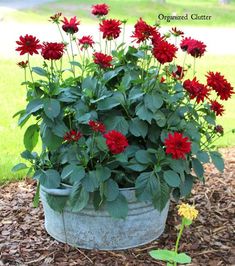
pixel 92 229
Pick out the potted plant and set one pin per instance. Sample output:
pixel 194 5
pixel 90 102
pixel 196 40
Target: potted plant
pixel 123 129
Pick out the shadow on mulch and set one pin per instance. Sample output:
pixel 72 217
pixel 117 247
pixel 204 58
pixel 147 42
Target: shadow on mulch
pixel 209 241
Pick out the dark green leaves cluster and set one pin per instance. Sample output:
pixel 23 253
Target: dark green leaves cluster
pixel 128 98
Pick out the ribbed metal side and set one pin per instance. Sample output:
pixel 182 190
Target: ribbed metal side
pixel 92 229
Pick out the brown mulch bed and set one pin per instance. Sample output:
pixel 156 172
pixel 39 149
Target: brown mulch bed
pixel 209 241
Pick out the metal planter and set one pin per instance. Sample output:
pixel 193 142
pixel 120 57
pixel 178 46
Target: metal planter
pixel 92 229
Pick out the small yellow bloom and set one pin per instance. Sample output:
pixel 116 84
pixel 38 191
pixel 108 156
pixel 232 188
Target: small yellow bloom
pixel 187 211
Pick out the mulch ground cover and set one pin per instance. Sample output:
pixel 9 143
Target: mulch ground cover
pixel 209 241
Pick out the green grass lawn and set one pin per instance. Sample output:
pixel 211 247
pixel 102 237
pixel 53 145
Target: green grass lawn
pixel 13 95
pixel 148 9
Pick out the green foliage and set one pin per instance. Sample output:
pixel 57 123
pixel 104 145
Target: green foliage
pixel 75 109
pixel 118 208
pixel 170 256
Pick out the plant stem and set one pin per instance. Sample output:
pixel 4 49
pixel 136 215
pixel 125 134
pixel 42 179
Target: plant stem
pixel 83 63
pixel 106 46
pixel 70 123
pixel 183 65
pixel 25 78
pixel 178 238
pixel 123 33
pixel 30 69
pixel 62 37
pixel 71 46
pixel 110 47
pixel 194 67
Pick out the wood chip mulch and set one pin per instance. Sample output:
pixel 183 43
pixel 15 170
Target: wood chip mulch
pixel 209 240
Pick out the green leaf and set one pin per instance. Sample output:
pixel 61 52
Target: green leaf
pixel 135 166
pixel 143 157
pixel 36 196
pixel 118 208
pixel 108 103
pixel 97 200
pixel 102 173
pixel 153 101
pixel 160 118
pixel 162 197
pixel 34 106
pixel 31 137
pixel 163 254
pixel 217 160
pixel 186 221
pixel 19 166
pixel 90 182
pixel 24 117
pixel 178 166
pixel 186 186
pixel 79 198
pixel 57 203
pixel 135 94
pixel 59 129
pixel 143 113
pixel 51 140
pixel 183 258
pixel 50 179
pixel 138 127
pixel 40 71
pixel 111 190
pixel 52 108
pixel 73 172
pixel 28 155
pixel 147 186
pixel 154 133
pixel 75 63
pixel 170 256
pixel 203 156
pixel 198 168
pixel 172 178
pixel 118 123
pixel 101 143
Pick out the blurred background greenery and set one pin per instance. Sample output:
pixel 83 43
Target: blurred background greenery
pixel 11 76
pixel 222 14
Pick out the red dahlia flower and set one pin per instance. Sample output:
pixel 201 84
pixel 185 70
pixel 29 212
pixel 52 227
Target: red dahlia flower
pixel 110 28
pixel 164 52
pixel 177 145
pixel 193 47
pixel 28 45
pixel 72 136
pixel 178 73
pixel 143 31
pixel 196 90
pixel 97 126
pixel 102 60
pixel 23 64
pixel 156 38
pixel 219 129
pixel 70 26
pixel 116 141
pixel 56 18
pixel 176 32
pixel 100 10
pixel 86 42
pixel 217 108
pixel 52 50
pixel 218 83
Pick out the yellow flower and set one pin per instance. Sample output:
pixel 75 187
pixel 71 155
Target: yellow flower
pixel 187 211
